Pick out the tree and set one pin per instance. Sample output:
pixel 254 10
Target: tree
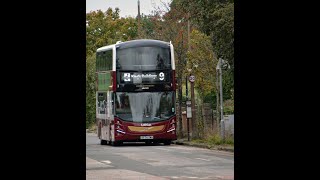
pixel 90 90
pixel 202 61
pixel 108 28
pixel 215 18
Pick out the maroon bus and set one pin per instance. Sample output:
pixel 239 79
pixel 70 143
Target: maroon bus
pixel 136 92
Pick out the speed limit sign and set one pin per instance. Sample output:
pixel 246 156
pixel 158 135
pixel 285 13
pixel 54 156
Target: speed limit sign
pixel 191 78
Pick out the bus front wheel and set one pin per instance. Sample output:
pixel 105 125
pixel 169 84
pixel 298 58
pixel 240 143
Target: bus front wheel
pixel 167 142
pixel 115 143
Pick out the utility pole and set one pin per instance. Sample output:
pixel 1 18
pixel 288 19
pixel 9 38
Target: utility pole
pixel 187 108
pixel 219 68
pixel 192 90
pixel 180 81
pixel 139 18
pixel 188 31
pixel 218 104
pixel 187 101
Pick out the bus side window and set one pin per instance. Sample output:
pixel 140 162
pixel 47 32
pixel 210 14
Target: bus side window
pixel 104 61
pixel 108 60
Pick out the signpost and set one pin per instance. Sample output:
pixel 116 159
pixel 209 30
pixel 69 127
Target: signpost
pixel 193 115
pixel 191 78
pixel 189 115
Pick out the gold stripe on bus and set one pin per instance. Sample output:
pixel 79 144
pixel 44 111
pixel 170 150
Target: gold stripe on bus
pixel 146 129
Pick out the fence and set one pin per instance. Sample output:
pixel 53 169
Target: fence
pixel 206 120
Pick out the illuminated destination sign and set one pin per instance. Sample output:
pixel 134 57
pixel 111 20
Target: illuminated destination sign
pixel 148 77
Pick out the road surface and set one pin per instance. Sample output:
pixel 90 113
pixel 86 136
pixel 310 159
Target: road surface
pixel 142 162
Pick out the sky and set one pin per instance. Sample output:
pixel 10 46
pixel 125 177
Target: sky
pixel 127 7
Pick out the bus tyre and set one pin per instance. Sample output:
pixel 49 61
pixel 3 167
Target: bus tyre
pixel 168 142
pixel 149 143
pixel 115 143
pixel 103 142
pixel 155 142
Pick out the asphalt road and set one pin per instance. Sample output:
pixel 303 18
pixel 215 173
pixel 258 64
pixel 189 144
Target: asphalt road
pixel 139 161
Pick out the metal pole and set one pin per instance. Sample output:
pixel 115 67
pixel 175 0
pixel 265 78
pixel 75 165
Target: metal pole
pixel 187 87
pixel 221 100
pixel 188 129
pixel 187 108
pixel 188 119
pixel 218 105
pixel 194 124
pixel 139 18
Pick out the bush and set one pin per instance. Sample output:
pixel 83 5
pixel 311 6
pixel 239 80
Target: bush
pixel 214 139
pixel 229 140
pixel 228 107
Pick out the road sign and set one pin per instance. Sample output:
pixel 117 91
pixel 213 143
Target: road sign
pixel 189 113
pixel 191 78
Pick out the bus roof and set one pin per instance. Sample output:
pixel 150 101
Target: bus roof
pixel 104 48
pixel 136 43
pixel 142 42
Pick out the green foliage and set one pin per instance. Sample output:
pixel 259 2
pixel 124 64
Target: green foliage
pixel 211 98
pixel 229 140
pixel 215 139
pixel 148 24
pixel 228 106
pixel 105 28
pixel 202 62
pixel 200 122
pixel 199 141
pixel 215 18
pixel 90 90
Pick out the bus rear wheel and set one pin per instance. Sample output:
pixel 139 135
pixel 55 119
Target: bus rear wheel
pixel 103 142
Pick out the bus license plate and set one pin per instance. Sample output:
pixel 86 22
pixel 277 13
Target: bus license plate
pixel 146 137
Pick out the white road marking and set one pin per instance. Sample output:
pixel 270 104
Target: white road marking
pixel 164 149
pixel 186 152
pixel 107 162
pixel 203 159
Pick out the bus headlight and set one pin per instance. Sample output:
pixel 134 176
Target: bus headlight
pixel 172 126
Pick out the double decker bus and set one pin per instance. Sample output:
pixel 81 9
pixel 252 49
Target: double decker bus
pixel 135 94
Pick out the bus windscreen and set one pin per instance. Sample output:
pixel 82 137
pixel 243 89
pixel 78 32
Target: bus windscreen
pixel 144 106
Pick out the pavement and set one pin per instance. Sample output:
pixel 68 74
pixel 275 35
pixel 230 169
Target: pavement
pixel 203 145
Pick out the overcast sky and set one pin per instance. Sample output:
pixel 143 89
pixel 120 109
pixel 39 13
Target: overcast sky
pixel 127 7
